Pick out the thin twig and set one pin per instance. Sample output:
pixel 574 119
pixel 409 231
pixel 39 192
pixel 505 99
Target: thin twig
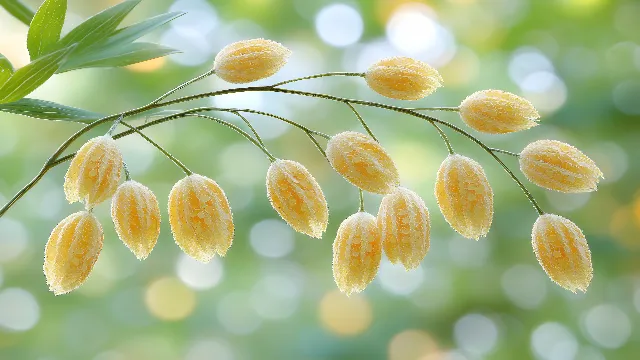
pixel 253 130
pixel 364 124
pixel 318 76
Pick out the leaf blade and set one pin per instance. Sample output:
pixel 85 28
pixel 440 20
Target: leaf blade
pixel 47 110
pixel 134 32
pixel 119 56
pixel 6 69
pixel 45 28
pixel 19 10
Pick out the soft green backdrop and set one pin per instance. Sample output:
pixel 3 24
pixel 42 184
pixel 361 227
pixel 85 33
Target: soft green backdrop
pixel 273 296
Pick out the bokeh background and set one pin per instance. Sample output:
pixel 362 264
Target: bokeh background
pixel 273 296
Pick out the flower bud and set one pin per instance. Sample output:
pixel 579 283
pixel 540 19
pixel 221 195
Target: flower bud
pixel 71 252
pixel 297 197
pixel 200 217
pixel 363 162
pixel 498 112
pixel 464 196
pixel 555 165
pixel 94 172
pixel 403 222
pixel 403 78
pixel 136 216
pixel 250 60
pixel 356 253
pixel 562 251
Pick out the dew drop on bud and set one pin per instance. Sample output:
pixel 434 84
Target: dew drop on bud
pixel 403 78
pixel 250 60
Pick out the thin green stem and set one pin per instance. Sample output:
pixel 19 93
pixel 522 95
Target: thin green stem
pixel 444 137
pixel 505 152
pixel 319 76
pixel 127 174
pixel 361 200
pixel 436 108
pixel 253 130
pixel 364 124
pixel 317 144
pixel 113 127
pixel 290 122
pixel 182 86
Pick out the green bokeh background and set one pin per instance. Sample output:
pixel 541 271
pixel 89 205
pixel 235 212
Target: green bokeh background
pixel 273 296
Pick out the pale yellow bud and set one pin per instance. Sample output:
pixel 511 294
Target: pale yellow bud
pixel 136 216
pixel 297 197
pixel 363 162
pixel 94 172
pixel 200 217
pixel 356 253
pixel 555 165
pixel 464 196
pixel 562 251
pixel 250 60
pixel 71 252
pixel 498 112
pixel 403 78
pixel 403 222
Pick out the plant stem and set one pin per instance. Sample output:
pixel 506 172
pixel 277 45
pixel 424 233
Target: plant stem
pixel 253 130
pixel 505 152
pixel 364 124
pixel 436 108
pixel 318 76
pixel 127 174
pixel 182 86
pixel 361 200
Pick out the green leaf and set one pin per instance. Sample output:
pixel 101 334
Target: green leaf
pixel 45 28
pixel 119 56
pixel 41 109
pixel 19 10
pixel 136 31
pixel 34 74
pixel 99 26
pixel 6 69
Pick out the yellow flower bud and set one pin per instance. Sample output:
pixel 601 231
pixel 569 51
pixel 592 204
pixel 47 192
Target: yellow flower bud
pixel 403 222
pixel 562 251
pixel 297 197
pixel 71 252
pixel 356 252
pixel 136 216
pixel 200 217
pixel 94 172
pixel 464 196
pixel 363 162
pixel 498 112
pixel 250 60
pixel 555 165
pixel 403 78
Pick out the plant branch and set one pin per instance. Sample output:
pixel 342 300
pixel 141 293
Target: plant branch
pixel 364 124
pixel 319 76
pixel 182 86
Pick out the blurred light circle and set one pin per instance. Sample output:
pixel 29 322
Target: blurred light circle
pixel 210 349
pixel 476 334
pixel 395 279
pixel 345 316
pixel 272 238
pixel 589 353
pixel 140 154
pixel 169 299
pixel 19 310
pixel 553 341
pixel 253 169
pixel 525 286
pixel 339 25
pixel 468 254
pixel 275 296
pixel 412 344
pixel 546 91
pixel 236 314
pixel 625 97
pixel 526 61
pixel 608 326
pixel 197 275
pixel 566 203
pixel 194 47
pixel 51 202
pixel 369 53
pixel 199 15
pixel 612 159
pixel 14 239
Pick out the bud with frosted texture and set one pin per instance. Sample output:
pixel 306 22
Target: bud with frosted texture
pixel 403 78
pixel 464 196
pixel 297 197
pixel 200 217
pixel 356 253
pixel 136 216
pixel 250 60
pixel 363 162
pixel 94 173
pixel 498 112
pixel 71 252
pixel 555 165
pixel 562 251
pixel 403 221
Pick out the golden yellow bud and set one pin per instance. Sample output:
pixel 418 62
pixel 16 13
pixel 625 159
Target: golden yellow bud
pixel 562 251
pixel 403 222
pixel 356 253
pixel 403 78
pixel 363 162
pixel 71 252
pixel 94 172
pixel 136 216
pixel 464 196
pixel 297 197
pixel 498 112
pixel 555 165
pixel 200 217
pixel 250 60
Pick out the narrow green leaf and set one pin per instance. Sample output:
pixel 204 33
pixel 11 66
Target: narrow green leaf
pixel 6 69
pixel 119 56
pixel 41 109
pixel 99 26
pixel 34 74
pixel 19 10
pixel 45 28
pixel 134 32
